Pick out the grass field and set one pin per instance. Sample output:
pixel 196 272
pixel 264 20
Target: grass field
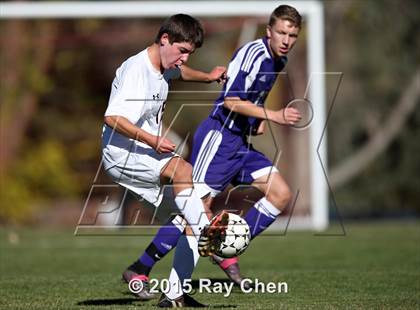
pixel 375 266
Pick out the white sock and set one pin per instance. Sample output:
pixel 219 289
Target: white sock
pixel 267 208
pixel 192 208
pixel 185 259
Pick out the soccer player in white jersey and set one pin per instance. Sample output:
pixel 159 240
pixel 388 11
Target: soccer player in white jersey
pixel 135 154
pixel 221 153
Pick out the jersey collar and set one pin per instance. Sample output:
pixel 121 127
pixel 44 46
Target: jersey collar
pixel 151 67
pixel 265 41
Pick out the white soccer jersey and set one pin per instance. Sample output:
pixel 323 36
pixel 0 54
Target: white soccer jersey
pixel 138 93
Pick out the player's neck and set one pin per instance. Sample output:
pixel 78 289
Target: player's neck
pixel 154 56
pixel 270 50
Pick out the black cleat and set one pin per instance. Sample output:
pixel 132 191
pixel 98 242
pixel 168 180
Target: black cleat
pixel 180 302
pixel 213 234
pixel 138 285
pixel 233 272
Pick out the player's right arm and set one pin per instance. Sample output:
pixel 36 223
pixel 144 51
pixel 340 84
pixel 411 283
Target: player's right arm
pixel 128 129
pixel 238 85
pixel 122 113
pixel 286 116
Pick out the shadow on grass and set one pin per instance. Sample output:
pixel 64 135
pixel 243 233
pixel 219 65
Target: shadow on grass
pixel 111 301
pixel 129 301
pixel 139 303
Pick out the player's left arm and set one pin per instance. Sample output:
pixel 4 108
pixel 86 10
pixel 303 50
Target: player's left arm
pixel 218 74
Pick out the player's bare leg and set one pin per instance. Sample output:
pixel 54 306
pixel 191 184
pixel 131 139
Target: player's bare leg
pixel 275 189
pixel 180 172
pixel 265 211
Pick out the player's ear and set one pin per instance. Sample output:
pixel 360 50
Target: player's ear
pixel 164 39
pixel 268 31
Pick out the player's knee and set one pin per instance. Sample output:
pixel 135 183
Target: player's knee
pixel 279 197
pixel 183 170
pixel 187 169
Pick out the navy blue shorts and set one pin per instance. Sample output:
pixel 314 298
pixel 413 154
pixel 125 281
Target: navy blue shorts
pixel 220 157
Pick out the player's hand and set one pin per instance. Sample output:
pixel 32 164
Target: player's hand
pixel 291 116
pixel 218 74
pixel 287 116
pixel 162 145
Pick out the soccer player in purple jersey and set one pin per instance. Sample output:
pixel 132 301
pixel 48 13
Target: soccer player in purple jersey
pixel 221 154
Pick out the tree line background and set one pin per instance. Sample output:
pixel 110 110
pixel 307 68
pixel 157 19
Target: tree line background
pixel 56 77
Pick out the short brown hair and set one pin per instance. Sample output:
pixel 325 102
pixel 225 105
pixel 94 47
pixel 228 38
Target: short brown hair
pixel 286 12
pixel 182 28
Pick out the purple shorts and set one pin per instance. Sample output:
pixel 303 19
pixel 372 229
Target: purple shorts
pixel 220 157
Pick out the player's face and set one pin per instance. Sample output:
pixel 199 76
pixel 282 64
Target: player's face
pixel 282 36
pixel 175 54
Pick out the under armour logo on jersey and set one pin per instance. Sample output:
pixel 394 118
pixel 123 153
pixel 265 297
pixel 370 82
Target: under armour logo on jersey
pixel 262 79
pixel 155 97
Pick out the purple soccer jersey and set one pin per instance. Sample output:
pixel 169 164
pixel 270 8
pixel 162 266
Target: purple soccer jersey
pixel 221 153
pixel 251 74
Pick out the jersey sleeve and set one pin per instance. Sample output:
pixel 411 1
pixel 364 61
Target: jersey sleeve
pixel 127 95
pixel 239 77
pixel 235 86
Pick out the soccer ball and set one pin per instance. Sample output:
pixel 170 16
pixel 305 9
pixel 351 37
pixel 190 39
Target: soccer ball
pixel 237 237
